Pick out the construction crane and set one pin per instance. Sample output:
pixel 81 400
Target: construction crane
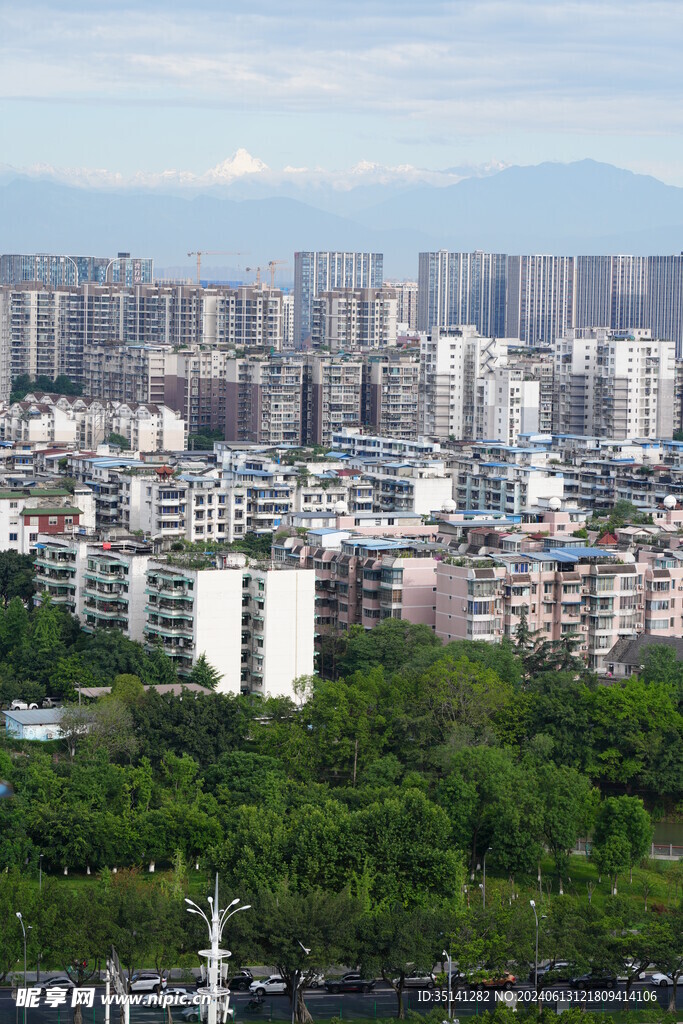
pixel 271 267
pixel 212 252
pixel 257 271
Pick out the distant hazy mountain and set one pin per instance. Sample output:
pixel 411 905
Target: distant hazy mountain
pixel 583 207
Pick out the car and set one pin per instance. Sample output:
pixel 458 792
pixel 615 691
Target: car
pixel 316 981
pixel 198 1013
pixel 271 986
pixel 22 705
pixel 147 981
pixel 504 981
pixel 58 981
pixel 596 979
pixel 559 970
pixel 349 982
pixel 416 980
pixel 180 995
pixel 241 981
pixel 658 978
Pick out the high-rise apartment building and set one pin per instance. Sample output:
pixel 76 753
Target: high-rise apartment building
pixel 334 397
pixel 505 405
pixel 451 361
pixel 614 384
pixel 316 272
pixel 540 298
pixel 264 400
pixel 456 288
pixel 56 271
pixel 391 394
pixel 346 320
pixel 406 303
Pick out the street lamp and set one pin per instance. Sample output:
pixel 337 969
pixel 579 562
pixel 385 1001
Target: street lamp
pixel 533 907
pixel 215 954
pixel 450 971
pixel 297 975
pixel 21 922
pixel 484 886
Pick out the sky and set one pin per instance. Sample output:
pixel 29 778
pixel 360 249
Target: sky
pixel 325 88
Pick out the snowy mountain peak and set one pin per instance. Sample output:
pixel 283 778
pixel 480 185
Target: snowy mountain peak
pixel 236 166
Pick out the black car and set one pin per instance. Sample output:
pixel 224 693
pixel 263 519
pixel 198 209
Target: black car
pixel 550 974
pixel 241 981
pixel 350 982
pixel 593 980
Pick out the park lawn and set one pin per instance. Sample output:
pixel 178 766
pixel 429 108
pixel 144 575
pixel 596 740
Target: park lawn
pixel 582 871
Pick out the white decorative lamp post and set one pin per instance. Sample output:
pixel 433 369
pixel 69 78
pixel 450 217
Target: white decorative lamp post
pixel 214 988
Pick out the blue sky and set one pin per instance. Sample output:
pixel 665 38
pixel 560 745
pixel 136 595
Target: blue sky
pixel 151 86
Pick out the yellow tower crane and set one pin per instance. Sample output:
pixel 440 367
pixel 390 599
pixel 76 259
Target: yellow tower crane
pixel 212 252
pixel 271 267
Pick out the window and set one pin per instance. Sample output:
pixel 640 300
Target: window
pixel 13 536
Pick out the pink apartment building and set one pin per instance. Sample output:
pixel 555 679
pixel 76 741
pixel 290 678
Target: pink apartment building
pixel 588 593
pixel 368 579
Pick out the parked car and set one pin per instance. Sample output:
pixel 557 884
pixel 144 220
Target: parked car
pixel 317 981
pixel 349 982
pixel 58 981
pixel 658 978
pixel 418 981
pixel 272 986
pixel 594 980
pixel 147 981
pixel 22 705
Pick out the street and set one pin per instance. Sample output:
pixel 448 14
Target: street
pixel 380 1003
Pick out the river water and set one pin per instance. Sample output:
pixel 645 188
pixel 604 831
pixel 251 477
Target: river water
pixel 669 832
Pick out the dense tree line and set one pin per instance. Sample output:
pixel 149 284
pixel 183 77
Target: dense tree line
pixel 369 799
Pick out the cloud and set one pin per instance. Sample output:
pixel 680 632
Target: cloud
pixel 468 68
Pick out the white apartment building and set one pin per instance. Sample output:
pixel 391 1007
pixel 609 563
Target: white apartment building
pixel 504 481
pixel 254 624
pixel 506 404
pixel 26 512
pixel 406 304
pixel 617 384
pixel 451 361
pixel 112 591
pixel 347 320
pixel 61 419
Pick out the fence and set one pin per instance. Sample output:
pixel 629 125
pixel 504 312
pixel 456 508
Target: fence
pixel 658 851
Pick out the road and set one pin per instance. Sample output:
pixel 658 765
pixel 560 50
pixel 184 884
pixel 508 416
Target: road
pixel 380 1003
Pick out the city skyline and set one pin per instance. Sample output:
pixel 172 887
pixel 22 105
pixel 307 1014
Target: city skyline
pixel 437 86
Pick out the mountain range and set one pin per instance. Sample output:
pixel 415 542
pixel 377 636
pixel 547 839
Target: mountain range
pixel 582 207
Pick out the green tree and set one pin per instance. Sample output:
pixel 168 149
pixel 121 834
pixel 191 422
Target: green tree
pixel 623 817
pixel 16 577
pixel 284 920
pixel 119 440
pixel 568 810
pixel 204 674
pixel 396 941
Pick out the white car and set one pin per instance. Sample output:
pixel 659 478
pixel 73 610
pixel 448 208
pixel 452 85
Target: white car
pixel 418 981
pixel 59 981
pixel 660 979
pixel 147 981
pixel 272 986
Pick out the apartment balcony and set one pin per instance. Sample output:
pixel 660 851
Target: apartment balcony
pixel 49 575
